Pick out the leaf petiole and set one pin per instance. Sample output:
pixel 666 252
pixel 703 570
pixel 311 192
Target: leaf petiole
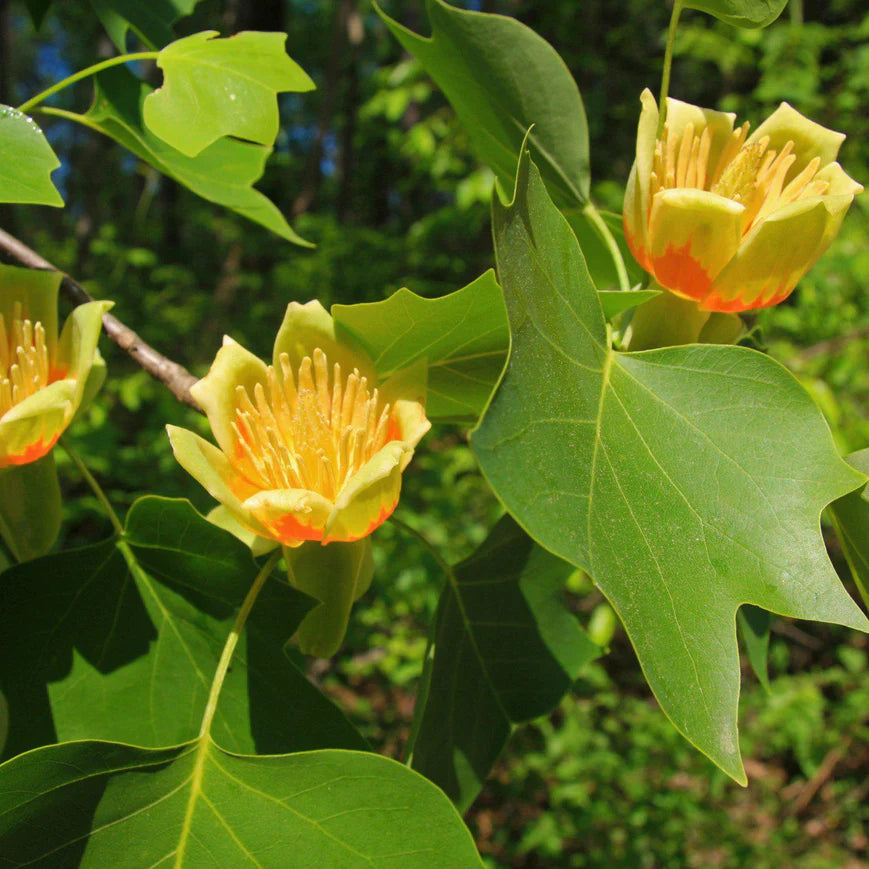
pixel 85 73
pixel 95 487
pixel 606 236
pixel 668 63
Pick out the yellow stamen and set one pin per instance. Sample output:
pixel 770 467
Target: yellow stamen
pixel 751 174
pixel 25 367
pixel 312 431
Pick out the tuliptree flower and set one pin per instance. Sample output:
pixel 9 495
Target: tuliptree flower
pixel 43 377
pixel 728 219
pixel 311 447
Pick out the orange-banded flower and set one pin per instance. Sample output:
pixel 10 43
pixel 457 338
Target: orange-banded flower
pixel 311 447
pixel 728 219
pixel 44 379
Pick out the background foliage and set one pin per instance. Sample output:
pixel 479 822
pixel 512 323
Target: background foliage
pixel 375 169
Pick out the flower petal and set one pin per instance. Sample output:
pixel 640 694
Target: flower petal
pixel 36 291
pixel 810 140
pixel 405 391
pixel 370 496
pixel 223 518
pixel 290 516
pixel 306 327
pixel 693 234
pixel 31 428
pixel 720 125
pixel 213 471
pixel 233 366
pixel 77 346
pixel 636 207
pixel 776 254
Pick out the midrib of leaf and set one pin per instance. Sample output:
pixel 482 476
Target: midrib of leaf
pixel 204 738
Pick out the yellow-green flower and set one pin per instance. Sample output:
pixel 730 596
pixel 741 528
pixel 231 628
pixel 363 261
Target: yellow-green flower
pixel 311 447
pixel 44 379
pixel 732 220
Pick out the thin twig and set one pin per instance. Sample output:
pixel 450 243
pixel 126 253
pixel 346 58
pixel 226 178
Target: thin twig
pixel 174 376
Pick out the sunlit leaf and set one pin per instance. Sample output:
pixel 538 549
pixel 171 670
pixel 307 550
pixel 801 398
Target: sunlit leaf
pixel 686 481
pixel 504 650
pixel 221 87
pixel 463 336
pixel 223 173
pixel 741 13
pixel 26 161
pixel 120 641
pixel 94 804
pixel 851 515
pixel 501 77
pixel 152 20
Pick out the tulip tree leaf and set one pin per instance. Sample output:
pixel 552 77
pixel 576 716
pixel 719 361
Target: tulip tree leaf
pixel 753 624
pixel 501 77
pixel 749 14
pixel 851 515
pixel 152 20
pixel 504 650
pixel 96 804
pixel 120 641
pixel 597 256
pixel 686 481
pixel 221 87
pixel 223 173
pixel 463 336
pixel 26 161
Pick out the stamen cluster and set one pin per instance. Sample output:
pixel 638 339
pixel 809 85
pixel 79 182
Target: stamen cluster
pixel 24 364
pixel 751 174
pixel 305 430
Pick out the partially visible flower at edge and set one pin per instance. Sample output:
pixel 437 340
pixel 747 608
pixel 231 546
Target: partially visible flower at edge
pixel 729 220
pixel 44 379
pixel 311 447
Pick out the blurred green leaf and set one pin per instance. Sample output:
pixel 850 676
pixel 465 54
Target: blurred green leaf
pixel 223 173
pixel 221 87
pixel 851 515
pixel 94 804
pixel 501 77
pixel 152 20
pixel 504 650
pixel 687 481
pixel 120 640
pixel 37 10
pixel 597 256
pixel 26 161
pixel 753 624
pixel 463 336
pixel 741 13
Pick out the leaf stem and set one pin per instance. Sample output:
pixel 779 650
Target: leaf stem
pixel 668 62
pixel 232 641
pixel 606 235
pixel 95 487
pixel 85 73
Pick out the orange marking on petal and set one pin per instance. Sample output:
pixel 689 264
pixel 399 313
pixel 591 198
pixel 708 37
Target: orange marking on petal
pixel 678 271
pixel 31 453
pixel 641 255
pixel 290 531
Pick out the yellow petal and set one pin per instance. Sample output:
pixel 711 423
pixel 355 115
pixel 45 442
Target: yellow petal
pixel 810 140
pixel 693 234
pixel 31 428
pixel 405 392
pixel 77 347
pixel 36 292
pixel 223 518
pixel 636 207
pixel 720 125
pixel 306 327
pixel 290 516
pixel 370 496
pixel 212 470
pixel 775 255
pixel 233 366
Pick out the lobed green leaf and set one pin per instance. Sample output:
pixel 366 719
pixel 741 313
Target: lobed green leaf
pixel 26 161
pixel 686 481
pixel 749 14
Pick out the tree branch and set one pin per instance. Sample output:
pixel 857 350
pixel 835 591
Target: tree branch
pixel 176 377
